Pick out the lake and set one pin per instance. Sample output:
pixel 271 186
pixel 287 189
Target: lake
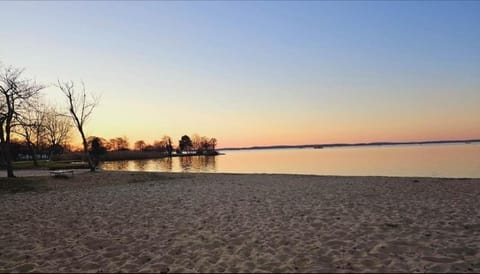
pixel 436 160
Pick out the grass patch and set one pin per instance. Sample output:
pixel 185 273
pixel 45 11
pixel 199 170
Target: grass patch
pixel 18 185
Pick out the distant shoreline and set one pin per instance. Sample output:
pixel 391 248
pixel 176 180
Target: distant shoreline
pixel 355 144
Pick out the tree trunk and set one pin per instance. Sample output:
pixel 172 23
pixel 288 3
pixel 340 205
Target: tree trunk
pixel 10 170
pixel 7 158
pixel 34 156
pixel 33 152
pixel 85 150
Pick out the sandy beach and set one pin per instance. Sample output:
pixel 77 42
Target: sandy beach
pixel 167 222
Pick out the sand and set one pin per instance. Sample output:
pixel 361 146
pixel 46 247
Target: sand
pixel 152 222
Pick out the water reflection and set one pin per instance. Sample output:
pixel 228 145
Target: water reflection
pixel 165 164
pixel 140 164
pixel 186 163
pixel 117 165
pixel 198 163
pixel 174 164
pixel 204 163
pixel 455 160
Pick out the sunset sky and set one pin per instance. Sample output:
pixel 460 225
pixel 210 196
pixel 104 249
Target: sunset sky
pixel 259 73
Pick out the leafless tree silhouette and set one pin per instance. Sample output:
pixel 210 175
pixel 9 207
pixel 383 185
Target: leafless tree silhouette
pixel 16 95
pixel 119 143
pixel 57 129
pixel 80 107
pixel 140 145
pixel 31 126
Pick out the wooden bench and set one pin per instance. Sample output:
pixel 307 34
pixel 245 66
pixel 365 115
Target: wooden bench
pixel 61 173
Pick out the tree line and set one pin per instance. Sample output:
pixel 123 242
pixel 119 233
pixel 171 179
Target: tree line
pixel 195 145
pixel 32 129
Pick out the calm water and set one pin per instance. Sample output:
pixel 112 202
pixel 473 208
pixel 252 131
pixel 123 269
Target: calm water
pixel 453 160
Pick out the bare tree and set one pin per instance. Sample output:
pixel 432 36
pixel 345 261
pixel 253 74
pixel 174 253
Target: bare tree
pixel 31 125
pixel 57 129
pixel 81 108
pixel 212 144
pixel 16 94
pixel 140 145
pixel 196 142
pixel 112 144
pixel 119 143
pixel 122 143
pixel 168 145
pixel 164 145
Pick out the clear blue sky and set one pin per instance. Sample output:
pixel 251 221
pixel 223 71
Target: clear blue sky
pixel 254 73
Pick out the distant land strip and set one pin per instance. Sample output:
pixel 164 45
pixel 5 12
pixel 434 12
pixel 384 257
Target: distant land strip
pixel 354 144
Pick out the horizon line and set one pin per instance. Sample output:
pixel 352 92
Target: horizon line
pixel 353 144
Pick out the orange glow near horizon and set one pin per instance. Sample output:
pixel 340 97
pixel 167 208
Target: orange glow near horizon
pixel 279 136
pixel 297 127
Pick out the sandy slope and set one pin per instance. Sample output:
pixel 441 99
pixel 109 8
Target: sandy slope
pixel 120 221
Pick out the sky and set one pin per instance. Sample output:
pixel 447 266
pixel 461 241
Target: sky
pixel 258 73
